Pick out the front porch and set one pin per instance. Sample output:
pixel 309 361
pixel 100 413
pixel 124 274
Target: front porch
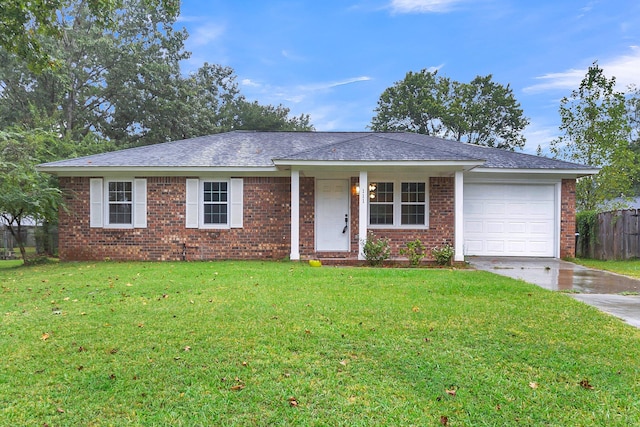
pixel 444 213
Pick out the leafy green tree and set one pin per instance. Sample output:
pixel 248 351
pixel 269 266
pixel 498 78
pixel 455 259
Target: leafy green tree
pixel 126 86
pixel 24 192
pixel 26 22
pixel 253 116
pixel 595 131
pixel 480 112
pixel 99 70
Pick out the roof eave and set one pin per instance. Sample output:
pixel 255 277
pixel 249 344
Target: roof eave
pixel 466 164
pixel 546 171
pixel 152 170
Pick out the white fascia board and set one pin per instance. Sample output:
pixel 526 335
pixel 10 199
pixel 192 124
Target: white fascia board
pixel 466 164
pixel 568 172
pixel 150 171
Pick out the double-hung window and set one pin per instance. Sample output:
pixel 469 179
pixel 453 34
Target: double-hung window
pixel 118 203
pixel 214 203
pixel 400 204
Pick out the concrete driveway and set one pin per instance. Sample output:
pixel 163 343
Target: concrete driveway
pixel 598 288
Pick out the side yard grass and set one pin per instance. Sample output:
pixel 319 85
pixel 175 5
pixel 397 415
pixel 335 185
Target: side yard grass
pixel 268 343
pixel 629 268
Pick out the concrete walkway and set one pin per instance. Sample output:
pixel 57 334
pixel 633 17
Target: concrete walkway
pixel 598 288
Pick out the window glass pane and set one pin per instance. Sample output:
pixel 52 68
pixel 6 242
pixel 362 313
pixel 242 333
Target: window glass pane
pixel 120 196
pixel 381 214
pixel 215 214
pixel 120 191
pixel 413 214
pixel 413 192
pixel 119 213
pixel 381 192
pixel 215 202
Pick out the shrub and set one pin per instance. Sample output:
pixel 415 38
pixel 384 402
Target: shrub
pixel 415 251
pixel 443 254
pixel 376 250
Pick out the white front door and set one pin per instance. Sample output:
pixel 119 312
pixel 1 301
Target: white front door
pixel 332 215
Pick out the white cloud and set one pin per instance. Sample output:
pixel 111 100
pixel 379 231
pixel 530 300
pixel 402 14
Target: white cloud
pixel 539 135
pixel 250 83
pixel 624 68
pixel 422 6
pixel 205 34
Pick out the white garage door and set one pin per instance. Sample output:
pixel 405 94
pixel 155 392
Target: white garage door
pixel 509 220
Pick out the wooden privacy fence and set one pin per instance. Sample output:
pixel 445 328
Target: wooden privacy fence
pixel 616 236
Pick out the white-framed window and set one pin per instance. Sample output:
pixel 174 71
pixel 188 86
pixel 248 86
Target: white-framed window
pixel 402 204
pixel 118 202
pixel 214 203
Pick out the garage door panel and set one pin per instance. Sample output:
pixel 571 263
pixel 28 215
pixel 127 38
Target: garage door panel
pixel 518 209
pixel 541 227
pixel 494 227
pixel 494 208
pixel 517 227
pixel 495 246
pixel 474 226
pixel 509 219
pixel 516 247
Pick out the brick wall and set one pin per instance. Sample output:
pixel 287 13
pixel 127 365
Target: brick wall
pixel 265 234
pixel 568 219
pixel 441 220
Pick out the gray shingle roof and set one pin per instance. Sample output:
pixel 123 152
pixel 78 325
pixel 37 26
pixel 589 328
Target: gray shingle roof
pixel 247 149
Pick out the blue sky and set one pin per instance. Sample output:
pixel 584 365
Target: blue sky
pixel 333 58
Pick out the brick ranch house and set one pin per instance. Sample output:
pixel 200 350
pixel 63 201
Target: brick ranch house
pixel 303 195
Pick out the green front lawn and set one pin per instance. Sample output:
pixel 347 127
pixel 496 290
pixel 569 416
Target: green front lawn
pixel 629 268
pixel 258 343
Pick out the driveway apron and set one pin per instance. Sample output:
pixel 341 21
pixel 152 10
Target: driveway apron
pixel 609 292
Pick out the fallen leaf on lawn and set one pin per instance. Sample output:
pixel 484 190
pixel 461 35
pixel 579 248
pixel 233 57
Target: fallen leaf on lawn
pixel 238 387
pixel 245 364
pixel 444 420
pixel 113 351
pixel 165 296
pixel 293 401
pixel 66 299
pixel 60 411
pixel 415 309
pixel 306 331
pixel 187 348
pixel 585 384
pixel 44 336
pixel 533 385
pixel 128 284
pixel 80 349
pixel 451 392
pixel 344 362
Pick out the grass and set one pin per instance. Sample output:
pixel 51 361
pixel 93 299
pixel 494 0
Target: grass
pixel 253 343
pixel 629 268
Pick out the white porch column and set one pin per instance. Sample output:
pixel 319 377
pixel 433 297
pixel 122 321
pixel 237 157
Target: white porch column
pixel 295 215
pixel 363 214
pixel 459 217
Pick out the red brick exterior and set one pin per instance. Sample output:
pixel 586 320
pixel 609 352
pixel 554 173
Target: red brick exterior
pixel 266 231
pixel 568 219
pixel 441 221
pixel 265 234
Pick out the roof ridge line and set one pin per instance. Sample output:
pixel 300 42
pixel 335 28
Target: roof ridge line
pixel 422 146
pixel 308 150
